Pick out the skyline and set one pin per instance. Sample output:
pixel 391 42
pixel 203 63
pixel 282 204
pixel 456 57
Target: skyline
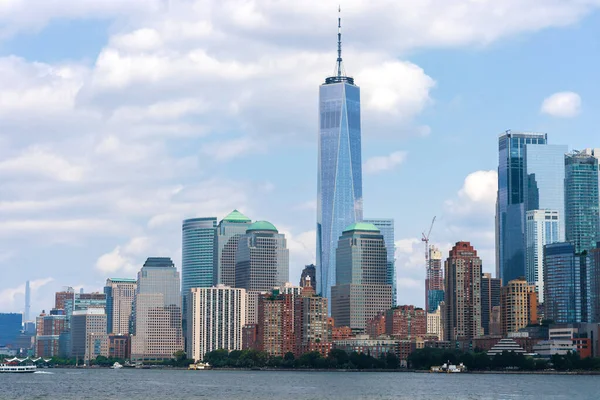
pixel 96 203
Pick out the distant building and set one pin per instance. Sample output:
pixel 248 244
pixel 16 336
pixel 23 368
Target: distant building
pixel 119 300
pixel 508 345
pixel 582 201
pixel 386 227
pixel 309 272
pixel 374 347
pixel 490 298
pixel 543 227
pixel 48 330
pixel 10 328
pixel 310 322
pixel 519 305
pixel 435 326
pixel 361 289
pixel 463 293
pixel 85 324
pixel 252 305
pixel 262 258
pixel 60 297
pixel 434 282
pixel 275 328
pixel 216 317
pixel 593 284
pixel 405 322
pixel 119 346
pixel 229 231
pixel 376 326
pixel 157 312
pixel 339 177
pixel 562 283
pixel 510 209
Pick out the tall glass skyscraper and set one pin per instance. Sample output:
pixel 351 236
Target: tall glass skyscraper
pixel 386 227
pixel 339 188
pixel 581 201
pixel 229 232
pixel 197 252
pixel 510 207
pixel 543 227
pixel 562 283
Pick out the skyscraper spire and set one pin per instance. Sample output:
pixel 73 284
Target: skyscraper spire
pixel 339 59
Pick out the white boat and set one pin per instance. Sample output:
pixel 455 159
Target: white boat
pixel 200 366
pixel 17 369
pixel 116 365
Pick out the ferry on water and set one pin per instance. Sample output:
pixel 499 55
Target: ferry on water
pixel 17 369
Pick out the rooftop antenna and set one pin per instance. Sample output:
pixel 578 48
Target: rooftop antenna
pixel 339 59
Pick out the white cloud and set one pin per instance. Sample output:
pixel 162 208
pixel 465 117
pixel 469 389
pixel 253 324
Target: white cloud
pixel 383 163
pixel 562 105
pixel 230 149
pixel 37 161
pixel 8 295
pixel 477 195
pixel 403 92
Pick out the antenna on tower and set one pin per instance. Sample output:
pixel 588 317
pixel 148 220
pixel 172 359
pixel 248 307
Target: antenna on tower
pixel 339 59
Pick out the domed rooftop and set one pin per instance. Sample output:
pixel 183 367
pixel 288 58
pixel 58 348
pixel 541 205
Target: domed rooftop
pixel 262 226
pixel 362 226
pixel 236 216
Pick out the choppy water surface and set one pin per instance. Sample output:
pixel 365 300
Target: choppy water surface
pixel 156 384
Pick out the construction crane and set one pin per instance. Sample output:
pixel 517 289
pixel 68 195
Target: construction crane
pixel 425 239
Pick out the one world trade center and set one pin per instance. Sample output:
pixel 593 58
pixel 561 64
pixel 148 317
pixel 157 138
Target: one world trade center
pixel 339 192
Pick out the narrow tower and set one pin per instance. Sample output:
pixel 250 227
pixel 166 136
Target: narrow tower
pixel 339 188
pixel 27 302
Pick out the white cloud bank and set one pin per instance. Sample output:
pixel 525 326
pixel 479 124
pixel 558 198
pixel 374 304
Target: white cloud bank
pixel 383 163
pixel 562 105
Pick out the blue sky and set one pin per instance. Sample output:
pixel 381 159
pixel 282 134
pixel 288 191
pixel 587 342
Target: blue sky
pixel 120 119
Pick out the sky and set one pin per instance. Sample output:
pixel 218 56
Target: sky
pixel 119 119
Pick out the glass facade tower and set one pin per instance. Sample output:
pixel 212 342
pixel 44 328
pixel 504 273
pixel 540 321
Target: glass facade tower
pixel 386 227
pixel 562 283
pixel 543 227
pixel 197 253
pixel 229 232
pixel 339 187
pixel 510 207
pixel 581 201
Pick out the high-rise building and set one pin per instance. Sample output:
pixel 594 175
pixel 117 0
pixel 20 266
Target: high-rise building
pixel 157 311
pixel 562 283
pixel 27 302
pixel 510 204
pixel 543 227
pixel 582 201
pixel 434 282
pixel 518 305
pixel 10 327
pixel 197 253
pixel 262 258
pixel 435 325
pixel 310 322
pixel 84 323
pixel 463 293
pixel 405 322
pixel 48 330
pixel 309 276
pixel 386 227
pixel 593 285
pixel 229 231
pixel 119 300
pixel 362 289
pixel 339 179
pixel 490 298
pixel 216 317
pixel 275 328
pixel 61 297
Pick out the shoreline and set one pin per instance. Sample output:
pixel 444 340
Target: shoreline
pixel 400 370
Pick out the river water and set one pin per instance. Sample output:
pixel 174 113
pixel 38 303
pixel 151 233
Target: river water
pixel 263 385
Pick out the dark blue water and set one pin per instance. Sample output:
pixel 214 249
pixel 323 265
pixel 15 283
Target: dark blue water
pixel 156 384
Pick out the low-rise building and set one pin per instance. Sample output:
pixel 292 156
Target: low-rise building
pixel 548 348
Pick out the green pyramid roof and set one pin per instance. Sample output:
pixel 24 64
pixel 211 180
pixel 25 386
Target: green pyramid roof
pixel 262 226
pixel 361 226
pixel 236 216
